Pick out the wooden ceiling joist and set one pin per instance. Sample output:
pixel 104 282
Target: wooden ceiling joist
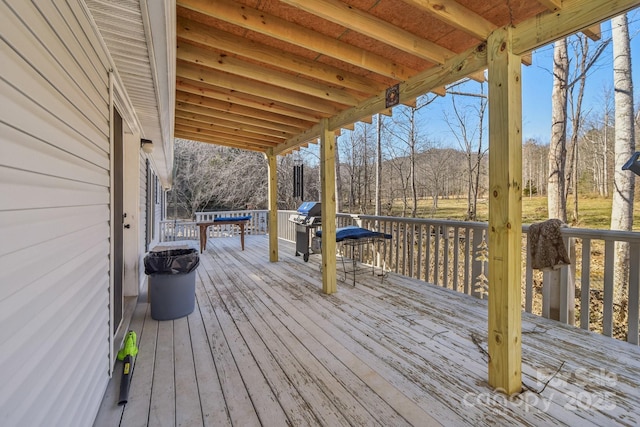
pixel 574 16
pixel 223 63
pixel 212 114
pixel 457 16
pixel 190 117
pixel 202 93
pixel 254 87
pixel 220 141
pixel 239 139
pixel 274 69
pixel 198 33
pixel 213 130
pixel 281 29
pixel 364 23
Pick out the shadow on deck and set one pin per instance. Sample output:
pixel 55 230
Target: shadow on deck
pixel 265 347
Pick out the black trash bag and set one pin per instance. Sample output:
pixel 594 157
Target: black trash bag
pixel 171 261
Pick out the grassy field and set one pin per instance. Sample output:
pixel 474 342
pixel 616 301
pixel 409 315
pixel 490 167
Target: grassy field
pixel 593 212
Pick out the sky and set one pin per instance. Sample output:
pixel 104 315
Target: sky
pixel 537 83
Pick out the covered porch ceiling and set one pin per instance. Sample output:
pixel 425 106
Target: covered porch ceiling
pixel 261 74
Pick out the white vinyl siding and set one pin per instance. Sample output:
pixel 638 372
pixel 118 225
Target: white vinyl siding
pixel 54 215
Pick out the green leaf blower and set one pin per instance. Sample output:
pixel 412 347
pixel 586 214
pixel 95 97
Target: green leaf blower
pixel 126 354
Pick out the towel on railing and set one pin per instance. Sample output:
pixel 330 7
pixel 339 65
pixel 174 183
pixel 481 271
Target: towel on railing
pixel 548 251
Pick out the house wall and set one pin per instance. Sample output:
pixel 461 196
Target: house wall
pixel 55 340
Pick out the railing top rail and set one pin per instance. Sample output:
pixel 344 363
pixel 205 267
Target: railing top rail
pixel 587 233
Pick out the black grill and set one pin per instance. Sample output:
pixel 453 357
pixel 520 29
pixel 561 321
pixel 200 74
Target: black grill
pixel 307 219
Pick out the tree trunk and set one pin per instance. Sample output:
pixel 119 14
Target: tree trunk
pixel 338 179
pixel 378 165
pixel 557 203
pixel 624 145
pixel 412 146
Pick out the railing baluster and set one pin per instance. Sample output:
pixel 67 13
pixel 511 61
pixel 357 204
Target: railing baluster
pixel 427 262
pixel 585 285
pixel 528 292
pixel 607 304
pixel 436 265
pixel 411 245
pixel 634 293
pixel 467 279
pixel 419 266
pixel 445 264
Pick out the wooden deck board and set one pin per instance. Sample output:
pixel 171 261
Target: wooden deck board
pixel 264 346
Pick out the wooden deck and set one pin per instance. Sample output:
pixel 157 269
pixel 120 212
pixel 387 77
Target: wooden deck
pixel 265 347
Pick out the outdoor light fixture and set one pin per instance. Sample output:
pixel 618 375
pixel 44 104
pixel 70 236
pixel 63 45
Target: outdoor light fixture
pixel 147 145
pixel 633 164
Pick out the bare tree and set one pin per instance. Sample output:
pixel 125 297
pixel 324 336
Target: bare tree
pixel 196 181
pixel 437 166
pixel 623 181
pixel 557 203
pixel 338 178
pixel 469 132
pixel 357 168
pixel 378 201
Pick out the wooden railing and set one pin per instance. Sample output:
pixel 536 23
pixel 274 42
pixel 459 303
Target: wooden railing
pixel 454 255
pixel 188 230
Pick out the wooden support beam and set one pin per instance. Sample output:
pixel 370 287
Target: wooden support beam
pixel 328 199
pixel 273 206
pixel 505 214
pixel 574 16
pixel 440 91
pixel 478 76
pixel 552 5
pixel 594 32
pixel 456 68
pixel 461 65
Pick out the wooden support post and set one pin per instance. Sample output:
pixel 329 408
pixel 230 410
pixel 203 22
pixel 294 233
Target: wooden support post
pixel 505 214
pixel 328 199
pixel 273 206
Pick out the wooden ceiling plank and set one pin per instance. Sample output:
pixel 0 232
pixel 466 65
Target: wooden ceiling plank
pixel 211 60
pixel 255 88
pixel 208 36
pixel 574 16
pixel 456 15
pixel 274 111
pixel 272 26
pixel 207 119
pixel 371 26
pixel 261 123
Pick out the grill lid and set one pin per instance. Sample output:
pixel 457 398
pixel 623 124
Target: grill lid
pixel 310 208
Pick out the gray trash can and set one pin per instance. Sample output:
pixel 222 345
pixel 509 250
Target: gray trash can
pixel 172 281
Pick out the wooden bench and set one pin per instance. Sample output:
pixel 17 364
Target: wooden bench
pixel 239 221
